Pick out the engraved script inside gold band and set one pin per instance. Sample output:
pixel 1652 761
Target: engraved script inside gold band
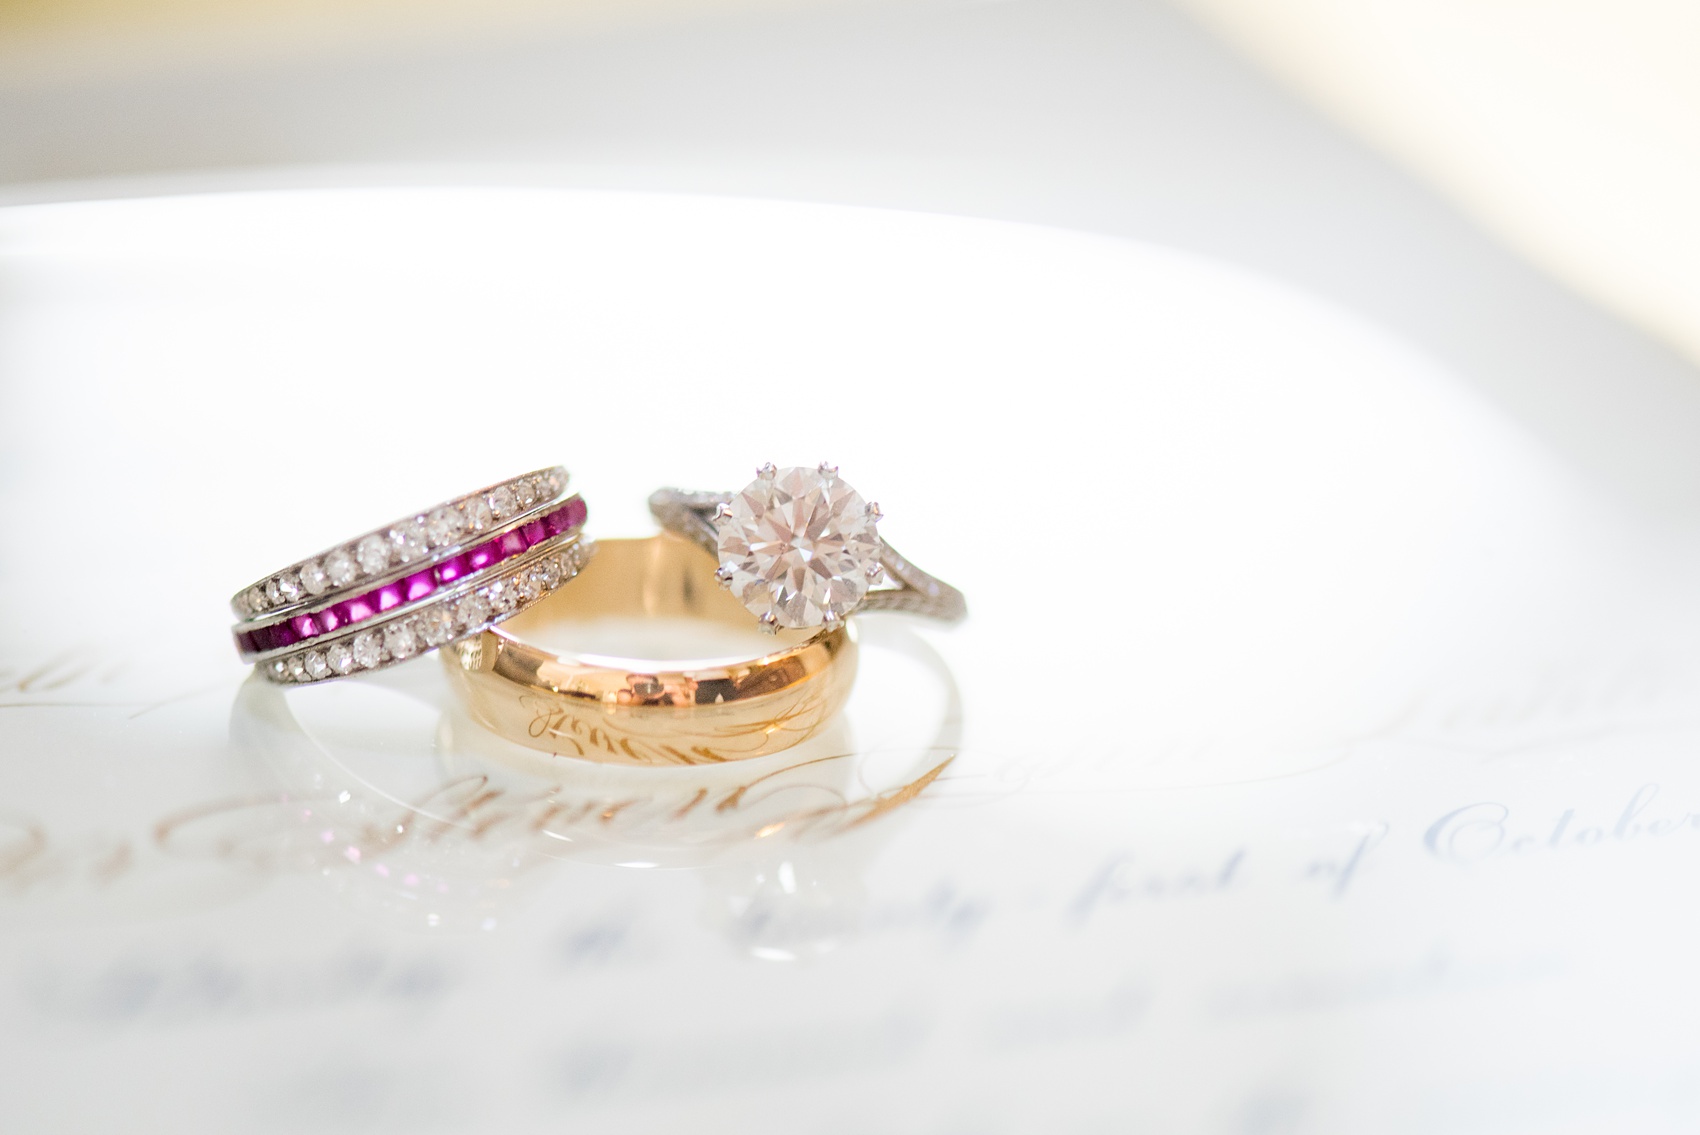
pixel 645 713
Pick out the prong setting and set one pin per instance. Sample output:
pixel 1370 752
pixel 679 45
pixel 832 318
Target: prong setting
pixel 797 546
pixel 767 472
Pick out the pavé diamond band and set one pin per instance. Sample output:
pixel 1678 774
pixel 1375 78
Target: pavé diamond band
pixel 576 703
pixel 799 548
pixel 425 580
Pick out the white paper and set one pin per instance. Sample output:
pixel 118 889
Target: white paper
pixel 1318 754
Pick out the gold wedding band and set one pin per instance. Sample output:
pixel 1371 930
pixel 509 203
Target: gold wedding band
pixel 578 704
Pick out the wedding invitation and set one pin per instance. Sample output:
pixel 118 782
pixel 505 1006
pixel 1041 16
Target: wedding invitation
pixel 1317 755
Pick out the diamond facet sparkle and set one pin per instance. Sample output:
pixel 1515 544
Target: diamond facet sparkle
pixel 339 565
pixel 368 649
pixel 314 579
pixel 799 544
pixel 444 526
pixel 374 553
pixel 400 640
pixel 407 541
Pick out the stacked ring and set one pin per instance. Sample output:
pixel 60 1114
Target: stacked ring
pixel 797 548
pixel 411 586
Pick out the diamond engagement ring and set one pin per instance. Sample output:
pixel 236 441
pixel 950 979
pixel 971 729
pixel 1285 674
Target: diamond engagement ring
pixel 429 578
pixel 799 548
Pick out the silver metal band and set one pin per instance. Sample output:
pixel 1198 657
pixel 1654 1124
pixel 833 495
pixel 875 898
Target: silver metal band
pixel 691 515
pixel 428 579
pixel 417 540
pixel 468 608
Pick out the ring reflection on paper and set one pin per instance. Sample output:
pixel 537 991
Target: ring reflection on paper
pixel 423 815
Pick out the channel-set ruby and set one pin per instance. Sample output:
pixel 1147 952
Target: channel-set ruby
pixel 416 586
pixel 421 583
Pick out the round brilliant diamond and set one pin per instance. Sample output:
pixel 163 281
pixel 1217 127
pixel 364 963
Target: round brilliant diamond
pixel 444 526
pixel 437 625
pixel 501 596
pixel 502 502
pixel 472 611
pixel 368 650
pixel 373 553
pixel 316 665
pixel 401 640
pixel 289 587
pixel 799 546
pixel 340 567
pixel 340 658
pixel 314 579
pixel 478 514
pixel 407 541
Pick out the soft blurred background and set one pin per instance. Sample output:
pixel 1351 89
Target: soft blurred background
pixel 1507 183
pixel 1329 411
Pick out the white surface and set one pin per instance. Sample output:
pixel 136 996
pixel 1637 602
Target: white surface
pixel 1565 129
pixel 1262 598
pixel 1110 116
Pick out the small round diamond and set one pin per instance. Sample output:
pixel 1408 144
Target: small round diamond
pixel 502 502
pixel 437 625
pixel 472 611
pixel 314 579
pixel 551 573
pixel 798 546
pixel 444 526
pixel 501 596
pixel 316 665
pixel 274 596
pixel 368 650
pixel 478 514
pixel 407 541
pixel 339 565
pixel 525 491
pixel 374 553
pixel 401 640
pixel 554 482
pixel 296 668
pixel 289 587
pixel 255 600
pixel 528 585
pixel 279 669
pixel 340 658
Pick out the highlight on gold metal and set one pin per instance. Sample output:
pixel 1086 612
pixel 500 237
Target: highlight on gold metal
pixel 578 705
